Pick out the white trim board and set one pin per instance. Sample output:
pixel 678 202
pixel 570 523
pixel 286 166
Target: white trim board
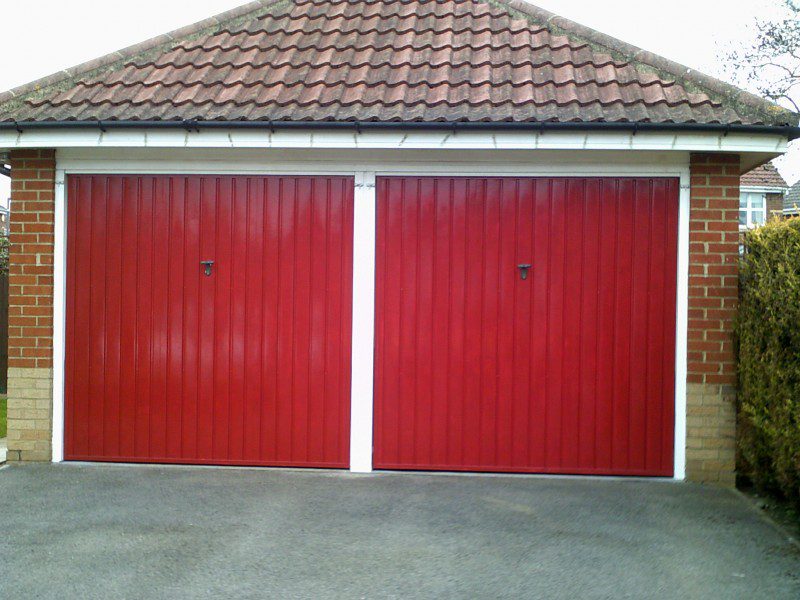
pixel 364 171
pixel 390 162
pixel 763 189
pixel 409 140
pixel 682 327
pixel 363 340
pixel 59 313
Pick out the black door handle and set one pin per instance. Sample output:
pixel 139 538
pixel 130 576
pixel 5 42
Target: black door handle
pixel 207 264
pixel 523 271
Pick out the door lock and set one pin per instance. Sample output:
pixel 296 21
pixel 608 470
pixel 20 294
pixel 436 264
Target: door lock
pixel 207 264
pixel 523 271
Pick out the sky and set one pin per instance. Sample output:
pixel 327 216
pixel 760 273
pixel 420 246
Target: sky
pixel 692 32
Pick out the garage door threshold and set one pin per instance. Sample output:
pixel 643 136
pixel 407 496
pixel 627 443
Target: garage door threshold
pixel 376 473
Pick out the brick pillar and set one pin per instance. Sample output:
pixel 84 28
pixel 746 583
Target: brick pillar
pixel 30 320
pixel 713 295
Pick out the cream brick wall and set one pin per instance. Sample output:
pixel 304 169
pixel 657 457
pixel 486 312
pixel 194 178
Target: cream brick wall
pixel 30 402
pixel 711 433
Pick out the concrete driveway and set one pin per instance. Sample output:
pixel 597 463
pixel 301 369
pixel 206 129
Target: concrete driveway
pixel 74 531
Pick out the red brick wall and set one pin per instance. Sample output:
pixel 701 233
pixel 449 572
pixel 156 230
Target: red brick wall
pixel 30 320
pixel 713 295
pixel 31 260
pixel 713 267
pixel 774 205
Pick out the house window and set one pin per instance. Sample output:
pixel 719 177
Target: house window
pixel 752 209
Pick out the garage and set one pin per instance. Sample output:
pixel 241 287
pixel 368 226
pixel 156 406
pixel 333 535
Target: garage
pixel 449 235
pixel 208 319
pixel 526 324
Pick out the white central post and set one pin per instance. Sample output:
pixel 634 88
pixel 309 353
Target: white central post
pixel 362 369
pixel 59 300
pixel 682 324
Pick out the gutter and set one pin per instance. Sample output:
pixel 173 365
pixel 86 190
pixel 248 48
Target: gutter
pixel 789 131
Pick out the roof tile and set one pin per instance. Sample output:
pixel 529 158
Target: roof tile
pixel 791 201
pixel 383 60
pixel 764 176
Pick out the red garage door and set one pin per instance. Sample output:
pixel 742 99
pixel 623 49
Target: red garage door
pixel 569 369
pixel 248 364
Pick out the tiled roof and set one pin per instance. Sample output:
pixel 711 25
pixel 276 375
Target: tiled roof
pixel 764 176
pixel 387 60
pixel 791 201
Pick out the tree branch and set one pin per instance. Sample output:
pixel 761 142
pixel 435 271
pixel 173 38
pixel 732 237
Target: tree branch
pixel 786 97
pixel 771 63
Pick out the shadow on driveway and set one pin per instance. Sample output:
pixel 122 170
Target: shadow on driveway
pixel 77 531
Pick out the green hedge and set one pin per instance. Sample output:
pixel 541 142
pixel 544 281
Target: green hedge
pixel 768 346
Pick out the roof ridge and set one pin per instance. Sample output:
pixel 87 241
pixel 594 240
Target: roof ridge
pixel 125 54
pixel 685 76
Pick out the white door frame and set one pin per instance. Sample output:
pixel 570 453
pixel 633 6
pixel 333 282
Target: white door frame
pixel 675 164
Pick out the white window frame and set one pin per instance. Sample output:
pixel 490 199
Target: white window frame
pixel 750 211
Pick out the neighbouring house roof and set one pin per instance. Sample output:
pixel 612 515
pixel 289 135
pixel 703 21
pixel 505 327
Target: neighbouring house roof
pixel 791 201
pixel 387 60
pixel 765 176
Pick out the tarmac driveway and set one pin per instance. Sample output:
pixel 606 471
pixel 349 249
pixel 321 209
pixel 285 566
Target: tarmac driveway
pixel 76 531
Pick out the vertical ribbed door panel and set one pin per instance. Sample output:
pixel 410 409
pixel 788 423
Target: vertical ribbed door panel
pixel 568 370
pixel 246 365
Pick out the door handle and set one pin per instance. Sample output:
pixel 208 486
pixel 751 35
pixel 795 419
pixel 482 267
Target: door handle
pixel 207 264
pixel 523 271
